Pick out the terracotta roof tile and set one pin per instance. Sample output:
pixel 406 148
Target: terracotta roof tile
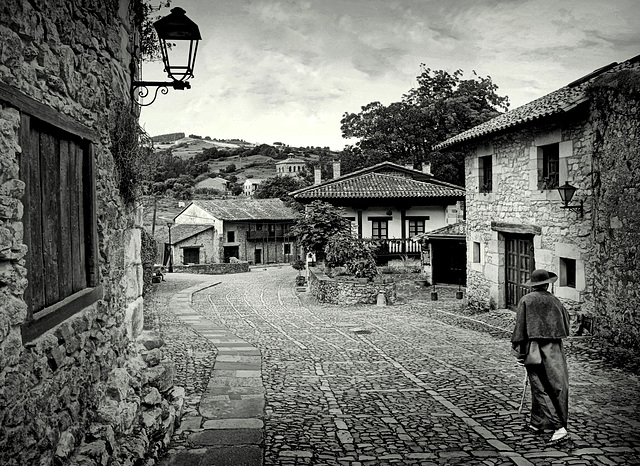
pixel 379 186
pixel 456 229
pixel 384 180
pixel 561 100
pixel 180 232
pixel 247 209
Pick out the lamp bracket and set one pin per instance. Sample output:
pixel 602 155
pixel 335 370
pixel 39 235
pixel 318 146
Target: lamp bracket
pixel 140 89
pixel 576 208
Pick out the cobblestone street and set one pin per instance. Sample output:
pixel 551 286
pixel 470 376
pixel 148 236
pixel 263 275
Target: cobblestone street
pixel 412 384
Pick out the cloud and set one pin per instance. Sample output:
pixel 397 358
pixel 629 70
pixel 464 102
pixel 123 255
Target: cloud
pixel 290 68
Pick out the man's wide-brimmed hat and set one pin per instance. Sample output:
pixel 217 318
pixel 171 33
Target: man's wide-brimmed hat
pixel 540 277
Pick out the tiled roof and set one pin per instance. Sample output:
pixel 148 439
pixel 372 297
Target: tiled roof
pixel 290 160
pixel 379 186
pixel 456 229
pixel 180 232
pixel 247 209
pixel 212 183
pixel 381 181
pixel 559 101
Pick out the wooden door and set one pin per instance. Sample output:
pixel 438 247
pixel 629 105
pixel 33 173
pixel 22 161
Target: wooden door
pixel 519 263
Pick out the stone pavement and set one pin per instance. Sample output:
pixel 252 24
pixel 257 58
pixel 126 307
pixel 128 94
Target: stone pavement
pixel 414 384
pixel 228 428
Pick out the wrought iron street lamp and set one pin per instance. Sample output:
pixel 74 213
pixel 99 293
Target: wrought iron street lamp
pixel 566 194
pixel 169 224
pixel 179 38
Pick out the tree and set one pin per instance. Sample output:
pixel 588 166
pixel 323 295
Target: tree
pixel 441 106
pixel 319 222
pixel 278 187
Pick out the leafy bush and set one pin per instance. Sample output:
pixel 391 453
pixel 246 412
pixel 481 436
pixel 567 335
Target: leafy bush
pixel 356 255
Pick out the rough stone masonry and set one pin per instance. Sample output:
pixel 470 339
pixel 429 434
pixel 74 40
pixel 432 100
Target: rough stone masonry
pixel 91 389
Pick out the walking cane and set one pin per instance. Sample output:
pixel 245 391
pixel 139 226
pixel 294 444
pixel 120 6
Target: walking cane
pixel 524 390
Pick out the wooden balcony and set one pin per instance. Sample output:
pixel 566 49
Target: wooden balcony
pixel 269 235
pixel 395 247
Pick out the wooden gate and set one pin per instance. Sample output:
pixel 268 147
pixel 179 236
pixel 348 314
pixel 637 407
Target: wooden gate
pixel 520 263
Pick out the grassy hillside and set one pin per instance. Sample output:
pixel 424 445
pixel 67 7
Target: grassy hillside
pixel 251 166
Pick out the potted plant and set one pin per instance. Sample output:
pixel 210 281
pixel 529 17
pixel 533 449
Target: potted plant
pixel 299 265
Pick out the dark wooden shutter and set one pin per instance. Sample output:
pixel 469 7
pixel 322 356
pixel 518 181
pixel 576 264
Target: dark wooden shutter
pixel 56 213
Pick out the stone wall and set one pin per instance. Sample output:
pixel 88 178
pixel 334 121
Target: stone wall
pixel 213 269
pixel 349 291
pixel 616 123
pixel 84 392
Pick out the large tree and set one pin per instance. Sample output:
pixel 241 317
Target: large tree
pixel 442 105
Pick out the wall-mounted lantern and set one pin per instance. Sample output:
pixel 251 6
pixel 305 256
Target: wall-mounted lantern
pixel 566 194
pixel 179 38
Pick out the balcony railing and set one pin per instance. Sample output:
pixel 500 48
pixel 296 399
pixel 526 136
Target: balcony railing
pixel 264 235
pixel 396 246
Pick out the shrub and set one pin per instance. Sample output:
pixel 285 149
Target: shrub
pixel 357 256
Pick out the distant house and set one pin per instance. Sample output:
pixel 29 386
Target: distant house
pixel 257 231
pixel 389 204
pixel 218 183
pixel 192 244
pixel 290 166
pixel 250 185
pixel 584 134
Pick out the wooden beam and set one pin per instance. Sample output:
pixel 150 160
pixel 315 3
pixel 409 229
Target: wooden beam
pixel 43 112
pixel 60 312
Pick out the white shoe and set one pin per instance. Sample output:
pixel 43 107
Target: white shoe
pixel 559 435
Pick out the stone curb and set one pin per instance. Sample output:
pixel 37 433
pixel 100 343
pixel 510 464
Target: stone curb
pixel 230 428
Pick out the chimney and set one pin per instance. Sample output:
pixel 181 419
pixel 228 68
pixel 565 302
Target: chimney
pixel 317 175
pixel 426 168
pixel 336 170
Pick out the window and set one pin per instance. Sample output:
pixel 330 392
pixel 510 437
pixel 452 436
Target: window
pixel 567 272
pixel 476 252
pixel 60 226
pixel 379 229
pixel 485 166
pixel 415 227
pixel 549 173
pixel 231 236
pixel 191 256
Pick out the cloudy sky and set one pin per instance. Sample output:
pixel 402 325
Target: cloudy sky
pixel 283 70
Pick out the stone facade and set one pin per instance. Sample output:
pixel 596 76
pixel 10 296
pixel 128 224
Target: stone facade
pixel 615 119
pixel 89 389
pixel 213 269
pixel 516 205
pixel 350 291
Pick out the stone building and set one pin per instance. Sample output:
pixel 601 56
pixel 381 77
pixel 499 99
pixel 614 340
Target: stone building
pixel 250 185
pixel 586 134
pixel 290 166
pixel 257 231
pixel 76 386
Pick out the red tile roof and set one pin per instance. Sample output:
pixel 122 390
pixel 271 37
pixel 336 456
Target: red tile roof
pixel 180 232
pixel 458 229
pixel 559 101
pixel 385 180
pixel 247 209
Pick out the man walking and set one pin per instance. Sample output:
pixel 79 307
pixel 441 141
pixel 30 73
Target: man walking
pixel 542 322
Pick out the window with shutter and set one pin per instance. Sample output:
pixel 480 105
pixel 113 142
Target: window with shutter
pixel 59 224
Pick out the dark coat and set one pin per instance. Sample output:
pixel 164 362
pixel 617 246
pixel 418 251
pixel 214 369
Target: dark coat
pixel 540 316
